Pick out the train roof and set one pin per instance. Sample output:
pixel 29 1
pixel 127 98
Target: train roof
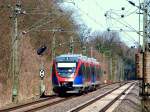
pixel 76 57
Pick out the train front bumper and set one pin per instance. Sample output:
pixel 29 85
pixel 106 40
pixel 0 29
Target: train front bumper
pixel 67 87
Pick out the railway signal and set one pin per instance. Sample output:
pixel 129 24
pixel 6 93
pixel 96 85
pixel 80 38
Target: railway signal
pixel 42 73
pixel 41 50
pixel 42 86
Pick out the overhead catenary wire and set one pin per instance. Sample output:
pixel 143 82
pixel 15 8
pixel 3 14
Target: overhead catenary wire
pixel 130 27
pixel 119 15
pixel 41 21
pixel 133 12
pixel 49 21
pixel 90 17
pixel 101 8
pixel 98 5
pixel 130 37
pixel 124 23
pixel 36 26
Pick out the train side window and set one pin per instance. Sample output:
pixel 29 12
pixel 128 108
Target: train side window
pixel 84 71
pixel 88 71
pixel 92 71
pixel 95 71
pixel 99 72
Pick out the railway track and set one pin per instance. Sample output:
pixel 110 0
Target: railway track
pixel 41 104
pixel 115 99
pixel 86 106
pixel 36 105
pixel 27 104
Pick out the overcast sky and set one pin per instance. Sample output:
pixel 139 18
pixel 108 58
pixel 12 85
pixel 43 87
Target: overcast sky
pixel 91 12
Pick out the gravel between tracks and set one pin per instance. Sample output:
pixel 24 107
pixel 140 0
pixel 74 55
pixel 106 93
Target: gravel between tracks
pixel 69 104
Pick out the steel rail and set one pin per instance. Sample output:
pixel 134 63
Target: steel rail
pixel 59 101
pixel 114 100
pixel 48 104
pixel 27 104
pixel 40 106
pixel 82 106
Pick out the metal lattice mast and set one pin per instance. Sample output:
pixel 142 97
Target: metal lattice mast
pixel 146 43
pixel 71 45
pixel 146 25
pixel 53 46
pixel 15 51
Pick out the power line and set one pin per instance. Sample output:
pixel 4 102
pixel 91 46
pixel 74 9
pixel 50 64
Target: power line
pixel 40 23
pixel 120 15
pixel 37 25
pixel 93 19
pixel 41 20
pixel 133 12
pixel 131 38
pixel 100 7
pixel 97 4
pixel 129 26
pixel 58 30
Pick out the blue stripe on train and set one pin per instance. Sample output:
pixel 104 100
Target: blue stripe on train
pixel 78 79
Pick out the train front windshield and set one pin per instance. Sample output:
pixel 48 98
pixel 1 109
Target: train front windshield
pixel 66 69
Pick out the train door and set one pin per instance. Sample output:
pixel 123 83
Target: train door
pixel 93 74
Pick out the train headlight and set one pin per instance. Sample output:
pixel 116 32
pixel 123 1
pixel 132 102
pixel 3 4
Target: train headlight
pixel 72 75
pixel 70 70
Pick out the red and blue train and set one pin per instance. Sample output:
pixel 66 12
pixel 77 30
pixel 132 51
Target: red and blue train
pixel 75 73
